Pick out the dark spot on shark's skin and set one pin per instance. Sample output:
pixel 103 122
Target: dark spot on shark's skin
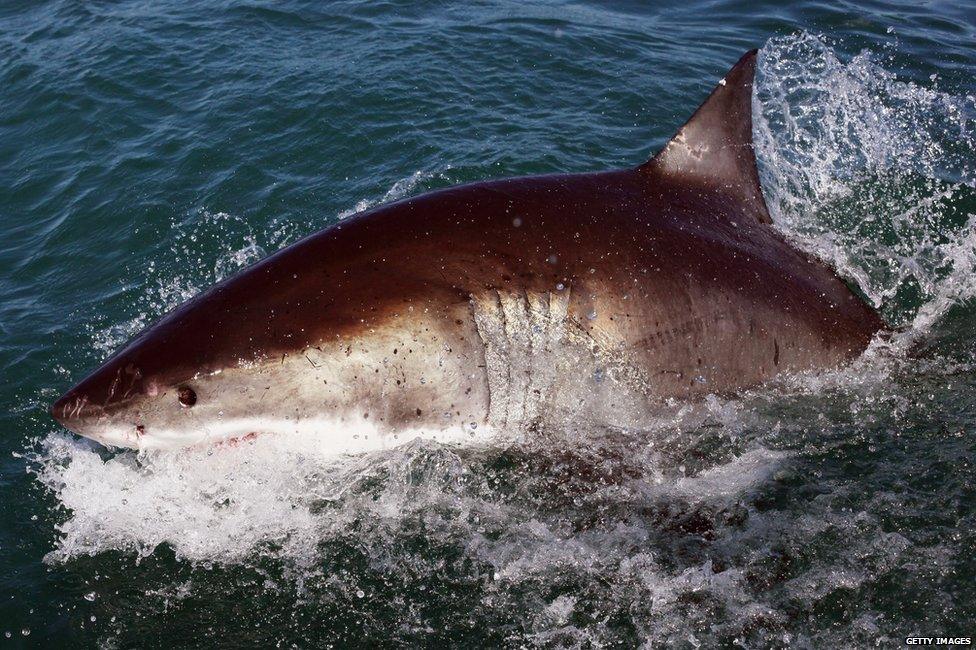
pixel 419 413
pixel 775 352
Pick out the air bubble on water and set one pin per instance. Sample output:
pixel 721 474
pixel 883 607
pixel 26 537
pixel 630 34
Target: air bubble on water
pixel 90 596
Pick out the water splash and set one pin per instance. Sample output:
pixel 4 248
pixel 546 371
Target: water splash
pixel 401 188
pixel 872 173
pixel 186 268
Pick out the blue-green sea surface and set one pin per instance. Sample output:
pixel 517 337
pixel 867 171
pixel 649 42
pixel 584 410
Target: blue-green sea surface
pixel 148 149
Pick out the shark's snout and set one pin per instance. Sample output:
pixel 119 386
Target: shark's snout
pixel 111 422
pixel 74 408
pixel 101 397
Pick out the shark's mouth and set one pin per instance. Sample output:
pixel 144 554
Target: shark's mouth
pixel 334 436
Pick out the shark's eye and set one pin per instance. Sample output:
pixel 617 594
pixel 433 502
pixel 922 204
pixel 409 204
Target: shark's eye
pixel 187 396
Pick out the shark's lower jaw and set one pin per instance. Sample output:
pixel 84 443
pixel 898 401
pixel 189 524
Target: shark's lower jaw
pixel 329 436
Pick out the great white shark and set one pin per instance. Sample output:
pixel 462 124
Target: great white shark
pixel 498 304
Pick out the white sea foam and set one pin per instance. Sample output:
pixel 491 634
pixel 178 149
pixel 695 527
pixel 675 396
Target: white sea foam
pixel 209 504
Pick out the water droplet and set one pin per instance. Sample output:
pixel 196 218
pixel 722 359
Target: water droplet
pixel 517 222
pixel 90 596
pixel 25 632
pixel 560 286
pixel 592 314
pixel 552 259
pixel 360 593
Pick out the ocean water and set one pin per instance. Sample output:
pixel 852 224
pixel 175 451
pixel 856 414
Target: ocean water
pixel 148 149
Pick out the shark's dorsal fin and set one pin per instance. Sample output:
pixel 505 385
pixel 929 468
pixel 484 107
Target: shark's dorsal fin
pixel 715 145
